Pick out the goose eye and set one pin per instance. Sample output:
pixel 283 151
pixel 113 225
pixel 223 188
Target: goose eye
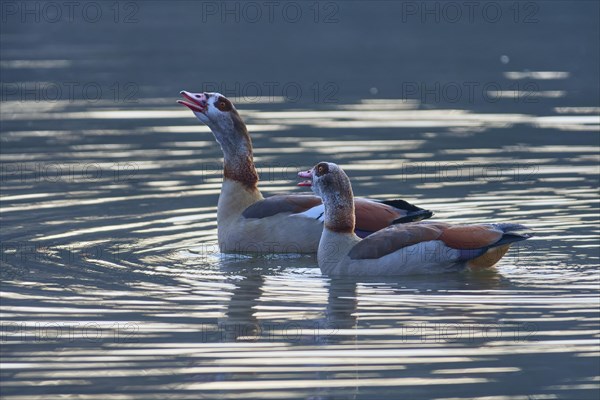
pixel 322 169
pixel 223 105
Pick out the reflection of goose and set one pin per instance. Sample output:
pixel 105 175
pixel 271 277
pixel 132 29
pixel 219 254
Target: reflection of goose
pixel 279 224
pixel 341 310
pixel 424 247
pixel 240 321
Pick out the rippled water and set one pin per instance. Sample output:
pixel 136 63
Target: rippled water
pixel 112 282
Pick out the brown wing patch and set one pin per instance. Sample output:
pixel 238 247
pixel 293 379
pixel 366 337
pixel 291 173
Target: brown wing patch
pixel 372 216
pixel 394 238
pixel 470 236
pixel 281 204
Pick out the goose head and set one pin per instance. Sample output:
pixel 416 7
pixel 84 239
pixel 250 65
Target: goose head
pixel 219 114
pixel 328 181
pixel 332 185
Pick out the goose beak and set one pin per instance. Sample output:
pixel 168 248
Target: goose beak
pixel 197 102
pixel 306 175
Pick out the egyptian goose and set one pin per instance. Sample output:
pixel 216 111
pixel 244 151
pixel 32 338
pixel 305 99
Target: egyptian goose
pixel 413 248
pixel 290 223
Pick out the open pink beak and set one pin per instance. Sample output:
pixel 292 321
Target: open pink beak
pixel 308 176
pixel 196 102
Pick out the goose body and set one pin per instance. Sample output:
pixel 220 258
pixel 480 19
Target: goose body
pixel 288 223
pixel 403 249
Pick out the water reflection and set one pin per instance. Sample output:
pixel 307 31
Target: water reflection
pixel 113 282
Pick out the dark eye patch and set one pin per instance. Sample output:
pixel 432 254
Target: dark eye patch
pixel 223 104
pixel 322 168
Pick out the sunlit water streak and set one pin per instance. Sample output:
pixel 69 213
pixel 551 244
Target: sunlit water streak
pixel 113 282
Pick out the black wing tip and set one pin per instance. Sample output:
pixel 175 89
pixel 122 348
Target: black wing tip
pixel 401 204
pixel 512 233
pixel 413 213
pixel 509 238
pixel 414 217
pixel 517 230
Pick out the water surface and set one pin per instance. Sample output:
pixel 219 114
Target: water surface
pixel 112 283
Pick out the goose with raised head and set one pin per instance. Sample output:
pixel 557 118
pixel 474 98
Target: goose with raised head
pixel 289 223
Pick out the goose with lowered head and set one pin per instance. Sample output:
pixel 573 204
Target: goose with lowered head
pixel 413 248
pixel 287 223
